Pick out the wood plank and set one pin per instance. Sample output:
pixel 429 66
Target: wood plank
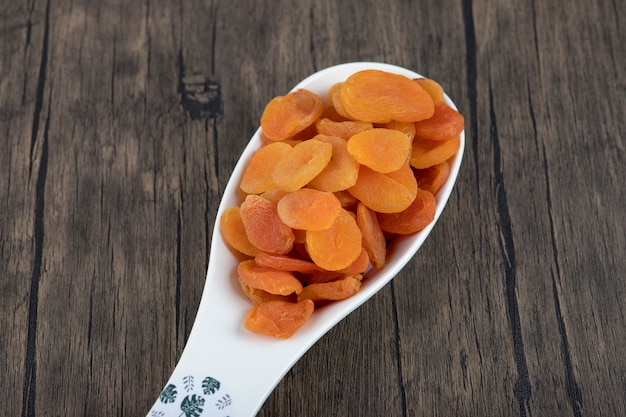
pixel 508 129
pixel 105 203
pixel 579 133
pixel 22 186
pixel 531 282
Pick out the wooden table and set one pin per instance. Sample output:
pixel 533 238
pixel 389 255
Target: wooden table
pixel 121 121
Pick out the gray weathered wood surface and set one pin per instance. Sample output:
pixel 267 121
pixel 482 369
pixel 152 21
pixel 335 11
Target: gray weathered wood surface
pixel 120 122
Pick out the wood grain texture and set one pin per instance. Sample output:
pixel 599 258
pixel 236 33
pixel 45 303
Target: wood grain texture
pixel 121 121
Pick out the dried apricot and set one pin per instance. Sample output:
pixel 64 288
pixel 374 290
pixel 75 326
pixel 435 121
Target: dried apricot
pixel 323 276
pixel 331 93
pixel 385 193
pixel 343 129
pixel 303 163
pixel 280 319
pixel 333 97
pixel 444 124
pixel 258 296
pixel 419 214
pixel 338 246
pixel 346 199
pixel 305 134
pixel 433 178
pixel 432 87
pixel 275 194
pixel 284 116
pixel 309 209
pixel 258 175
pixel 341 171
pixel 383 150
pixel 405 127
pixel 331 291
pixel 286 263
pixel 380 97
pixel 426 153
pixel 234 232
pixel 331 113
pixel 263 226
pixel 359 265
pixel 272 280
pixel 373 239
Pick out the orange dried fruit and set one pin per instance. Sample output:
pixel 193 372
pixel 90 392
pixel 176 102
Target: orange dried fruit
pixel 284 116
pixel 280 319
pixel 306 134
pixel 417 216
pixel 407 128
pixel 373 238
pixel 432 87
pixel 258 175
pixel 359 265
pixel 234 232
pixel 343 129
pixel 305 161
pixel 433 178
pixel 341 171
pixel 426 153
pixel 263 226
pixel 323 276
pixel 331 291
pixel 385 193
pixel 275 194
pixel 444 124
pixel 380 97
pixel 338 246
pixel 273 281
pixel 331 113
pixel 346 199
pixel 383 150
pixel 286 263
pixel 332 91
pixel 333 98
pixel 258 296
pixel 309 209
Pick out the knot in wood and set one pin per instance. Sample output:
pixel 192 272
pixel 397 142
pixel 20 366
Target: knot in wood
pixel 201 97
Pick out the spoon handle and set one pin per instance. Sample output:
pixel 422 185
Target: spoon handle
pixel 224 369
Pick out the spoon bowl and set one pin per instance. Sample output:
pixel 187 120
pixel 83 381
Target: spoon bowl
pixel 226 370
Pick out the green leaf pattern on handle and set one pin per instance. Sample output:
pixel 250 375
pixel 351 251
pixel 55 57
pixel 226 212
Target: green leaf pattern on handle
pixel 188 383
pixel 168 395
pixel 184 398
pixel 210 385
pixel 223 402
pixel 192 405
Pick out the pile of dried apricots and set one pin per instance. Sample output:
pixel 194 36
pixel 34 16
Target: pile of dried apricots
pixel 333 183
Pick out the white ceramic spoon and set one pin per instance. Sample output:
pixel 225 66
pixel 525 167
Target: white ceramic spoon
pixel 226 370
